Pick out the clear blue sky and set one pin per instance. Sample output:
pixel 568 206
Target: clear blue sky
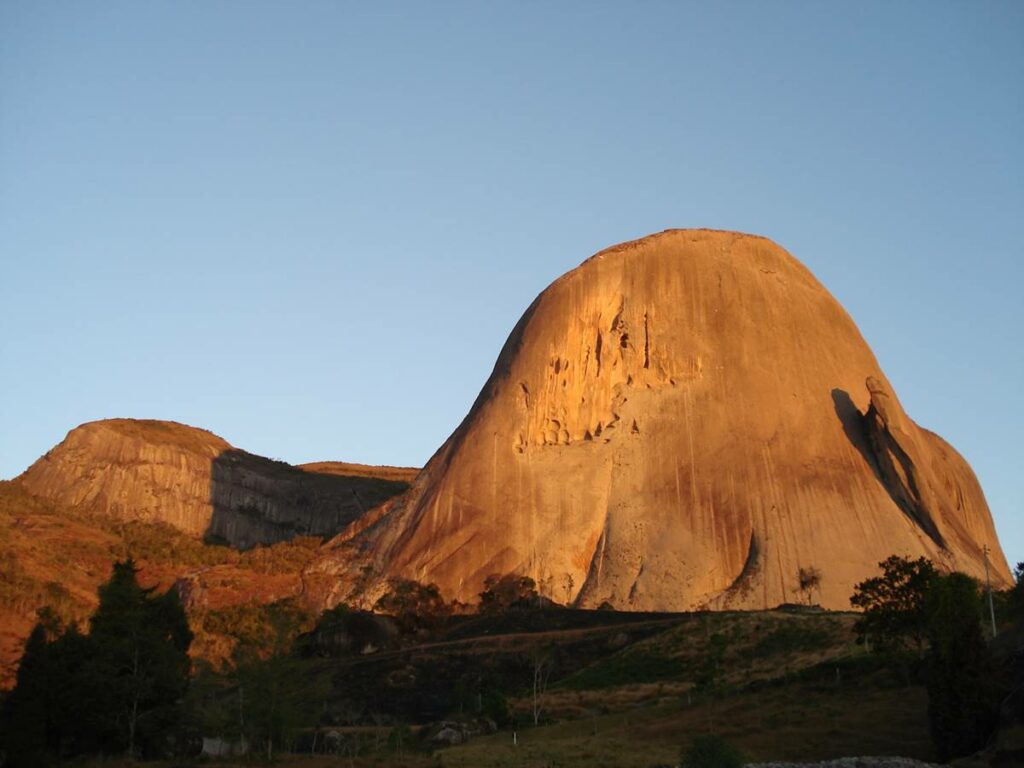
pixel 309 226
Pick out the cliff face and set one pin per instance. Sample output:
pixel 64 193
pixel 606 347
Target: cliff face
pixel 685 421
pixel 160 471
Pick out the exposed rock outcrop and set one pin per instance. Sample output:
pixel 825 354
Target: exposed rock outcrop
pixel 682 421
pixel 191 479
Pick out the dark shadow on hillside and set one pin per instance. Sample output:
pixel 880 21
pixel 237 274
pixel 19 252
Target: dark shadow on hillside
pixel 901 483
pixel 257 500
pixel 855 427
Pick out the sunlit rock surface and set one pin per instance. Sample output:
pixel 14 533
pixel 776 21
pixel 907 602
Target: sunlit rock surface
pixel 189 478
pixel 683 421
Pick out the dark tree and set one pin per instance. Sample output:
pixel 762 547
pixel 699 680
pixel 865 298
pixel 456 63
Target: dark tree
pixel 114 690
pixel 23 722
pixel 509 591
pixel 141 661
pixel 961 712
pixel 414 606
pixel 74 695
pixel 808 580
pixel 894 618
pixel 1017 592
pixel 53 708
pixel 273 698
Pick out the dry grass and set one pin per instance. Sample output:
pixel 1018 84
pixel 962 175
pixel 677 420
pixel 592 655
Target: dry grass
pixel 799 721
pixel 348 469
pixel 165 433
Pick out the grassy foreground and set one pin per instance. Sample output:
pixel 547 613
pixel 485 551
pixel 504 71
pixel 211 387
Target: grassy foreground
pixel 782 687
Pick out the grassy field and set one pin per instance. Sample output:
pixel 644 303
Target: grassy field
pixel 624 690
pixel 798 720
pixel 786 686
pixel 811 719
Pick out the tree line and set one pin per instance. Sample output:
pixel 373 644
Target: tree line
pixel 112 690
pixel 126 686
pixel 932 624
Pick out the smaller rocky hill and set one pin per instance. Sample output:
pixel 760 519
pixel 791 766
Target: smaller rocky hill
pixel 193 480
pixel 55 557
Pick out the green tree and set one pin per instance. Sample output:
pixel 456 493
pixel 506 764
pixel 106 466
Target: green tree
pixel 273 697
pixel 961 712
pixel 1016 597
pixel 894 618
pixel 210 709
pixel 141 643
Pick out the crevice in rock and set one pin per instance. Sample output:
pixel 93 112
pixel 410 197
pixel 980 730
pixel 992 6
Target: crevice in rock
pixel 647 343
pixel 749 565
pixel 617 320
pixel 636 583
pixel 593 581
pixel 744 582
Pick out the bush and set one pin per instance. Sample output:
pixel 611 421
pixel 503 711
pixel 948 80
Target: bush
pixel 711 751
pixel 495 706
pixel 502 593
pixel 413 605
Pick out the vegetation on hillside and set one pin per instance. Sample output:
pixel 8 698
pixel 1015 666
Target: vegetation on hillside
pixel 55 557
pixel 933 622
pixel 114 690
pixel 577 687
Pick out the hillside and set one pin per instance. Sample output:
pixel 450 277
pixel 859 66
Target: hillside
pixel 780 685
pixel 193 480
pixel 54 556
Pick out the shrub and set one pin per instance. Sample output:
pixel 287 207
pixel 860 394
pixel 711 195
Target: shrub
pixel 414 606
pixel 509 591
pixel 711 751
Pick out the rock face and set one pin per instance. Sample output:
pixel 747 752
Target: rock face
pixel 195 481
pixel 685 421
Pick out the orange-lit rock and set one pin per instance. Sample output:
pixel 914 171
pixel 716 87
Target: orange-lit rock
pixel 161 471
pixel 685 420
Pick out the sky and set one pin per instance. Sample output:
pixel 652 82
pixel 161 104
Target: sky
pixel 309 227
